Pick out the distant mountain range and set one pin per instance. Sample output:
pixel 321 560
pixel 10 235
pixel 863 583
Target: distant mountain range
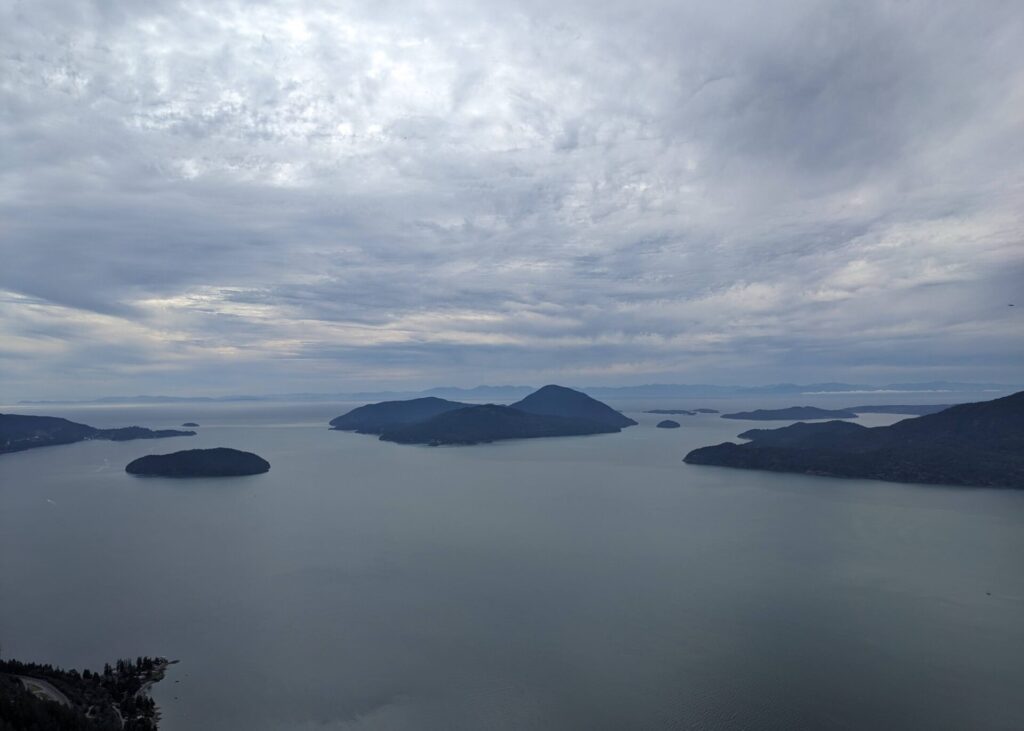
pixel 511 393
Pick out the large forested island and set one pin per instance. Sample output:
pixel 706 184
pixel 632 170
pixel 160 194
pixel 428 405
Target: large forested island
pixel 979 444
pixel 216 462
pixel 548 412
pixel 375 418
pixel 19 432
pixel 35 697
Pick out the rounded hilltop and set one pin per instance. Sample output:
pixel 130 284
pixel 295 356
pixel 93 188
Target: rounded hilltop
pixel 216 462
pixel 551 411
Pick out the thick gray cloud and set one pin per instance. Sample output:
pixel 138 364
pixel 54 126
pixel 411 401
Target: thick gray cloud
pixel 274 196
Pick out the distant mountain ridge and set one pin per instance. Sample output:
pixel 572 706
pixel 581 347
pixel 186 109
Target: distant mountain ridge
pixel 979 444
pixel 510 393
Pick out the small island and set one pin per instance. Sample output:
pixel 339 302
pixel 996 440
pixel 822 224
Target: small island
pixel 190 423
pixel 37 696
pixel 668 424
pixel 216 462
pixel 979 444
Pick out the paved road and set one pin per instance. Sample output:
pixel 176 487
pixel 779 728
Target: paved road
pixel 43 689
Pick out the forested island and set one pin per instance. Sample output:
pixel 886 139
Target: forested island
pixel 216 462
pixel 375 418
pixel 37 697
pixel 667 424
pixel 799 413
pixel 682 412
pixel 979 444
pixel 548 412
pixel 793 413
pixel 19 432
pixel 915 409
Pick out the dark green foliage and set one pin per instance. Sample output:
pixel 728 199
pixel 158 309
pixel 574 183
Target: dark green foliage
pixel 18 432
pixel 552 411
pixel 914 409
pixel 980 444
pixel 567 403
pixel 375 418
pixel 217 462
pixel 668 424
pixel 98 702
pixel 490 423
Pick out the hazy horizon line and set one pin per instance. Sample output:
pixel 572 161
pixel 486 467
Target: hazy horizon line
pixel 653 390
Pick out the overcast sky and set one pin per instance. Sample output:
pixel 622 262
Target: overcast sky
pixel 260 197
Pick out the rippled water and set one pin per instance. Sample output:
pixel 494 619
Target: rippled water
pixel 577 583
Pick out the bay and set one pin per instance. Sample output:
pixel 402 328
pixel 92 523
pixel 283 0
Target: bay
pixel 572 583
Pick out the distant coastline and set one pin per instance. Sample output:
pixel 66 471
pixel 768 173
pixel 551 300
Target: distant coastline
pixel 510 392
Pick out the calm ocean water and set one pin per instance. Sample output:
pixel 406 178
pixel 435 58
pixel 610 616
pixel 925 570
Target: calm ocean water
pixel 575 583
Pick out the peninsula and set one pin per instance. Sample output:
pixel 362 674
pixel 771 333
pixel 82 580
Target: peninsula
pixel 217 462
pixel 37 696
pixel 979 444
pixel 19 432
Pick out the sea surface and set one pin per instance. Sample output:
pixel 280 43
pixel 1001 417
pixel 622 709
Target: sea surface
pixel 572 583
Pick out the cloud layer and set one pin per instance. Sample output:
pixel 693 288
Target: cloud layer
pixel 264 197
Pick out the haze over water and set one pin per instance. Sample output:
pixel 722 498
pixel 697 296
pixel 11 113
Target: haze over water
pixel 579 583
